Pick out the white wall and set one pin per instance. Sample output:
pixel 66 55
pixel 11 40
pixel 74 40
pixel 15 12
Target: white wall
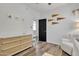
pixel 56 32
pixel 13 26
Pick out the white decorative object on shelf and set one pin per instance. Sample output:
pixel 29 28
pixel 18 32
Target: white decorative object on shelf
pixel 76 24
pixel 76 12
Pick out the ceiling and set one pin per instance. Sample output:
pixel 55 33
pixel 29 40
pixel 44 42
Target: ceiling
pixel 44 7
pixel 40 7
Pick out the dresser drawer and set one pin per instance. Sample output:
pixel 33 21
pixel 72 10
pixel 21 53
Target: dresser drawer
pixel 16 49
pixel 10 45
pixel 11 39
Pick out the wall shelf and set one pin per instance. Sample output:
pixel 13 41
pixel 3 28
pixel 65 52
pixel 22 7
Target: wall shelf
pixel 56 18
pixel 50 20
pixel 54 22
pixel 60 18
pixel 54 15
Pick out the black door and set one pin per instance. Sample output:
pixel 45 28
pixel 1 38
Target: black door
pixel 42 30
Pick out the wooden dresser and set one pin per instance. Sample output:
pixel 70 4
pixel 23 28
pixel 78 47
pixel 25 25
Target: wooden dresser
pixel 12 45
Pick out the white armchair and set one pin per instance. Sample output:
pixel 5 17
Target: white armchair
pixel 67 46
pixel 75 41
pixel 70 43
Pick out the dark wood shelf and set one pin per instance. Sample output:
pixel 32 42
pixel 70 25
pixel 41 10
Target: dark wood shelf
pixel 50 20
pixel 60 18
pixel 54 22
pixel 54 15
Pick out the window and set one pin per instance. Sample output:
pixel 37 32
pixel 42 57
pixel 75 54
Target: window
pixel 34 25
